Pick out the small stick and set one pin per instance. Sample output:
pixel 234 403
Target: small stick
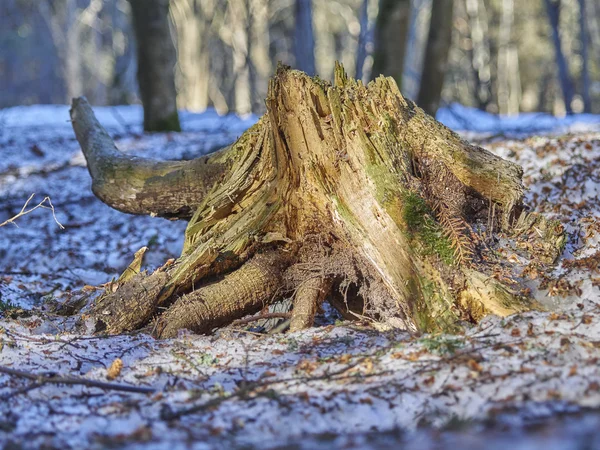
pixel 49 379
pixel 25 211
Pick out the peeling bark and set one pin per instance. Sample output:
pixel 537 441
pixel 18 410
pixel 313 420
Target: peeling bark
pixel 356 181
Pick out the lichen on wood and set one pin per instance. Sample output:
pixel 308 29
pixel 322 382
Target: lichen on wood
pixel 355 181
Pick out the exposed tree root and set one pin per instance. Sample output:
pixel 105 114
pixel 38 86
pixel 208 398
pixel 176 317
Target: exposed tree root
pixel 309 296
pixel 244 291
pixel 354 180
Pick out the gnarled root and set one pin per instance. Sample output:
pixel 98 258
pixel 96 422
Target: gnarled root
pixel 309 295
pixel 244 291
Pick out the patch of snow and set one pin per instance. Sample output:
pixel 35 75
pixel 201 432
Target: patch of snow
pixel 327 387
pixel 464 118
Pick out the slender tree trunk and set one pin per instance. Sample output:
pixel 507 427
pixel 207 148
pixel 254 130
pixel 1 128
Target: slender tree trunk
pixel 566 84
pixel 585 70
pixel 304 40
pixel 593 26
pixel 192 53
pixel 436 56
pixel 363 39
pixel 259 52
pixel 240 45
pixel 514 81
pixel 391 33
pixel 62 20
pixel 124 78
pixel 480 54
pixel 508 64
pixel 156 64
pixel 72 59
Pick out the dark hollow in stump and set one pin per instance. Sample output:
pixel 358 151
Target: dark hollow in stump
pixel 344 191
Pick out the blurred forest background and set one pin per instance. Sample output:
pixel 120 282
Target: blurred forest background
pixel 505 56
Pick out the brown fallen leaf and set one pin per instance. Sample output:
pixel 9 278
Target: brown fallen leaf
pixel 474 365
pixel 115 369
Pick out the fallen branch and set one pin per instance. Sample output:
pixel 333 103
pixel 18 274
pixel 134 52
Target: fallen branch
pixel 40 380
pixel 25 211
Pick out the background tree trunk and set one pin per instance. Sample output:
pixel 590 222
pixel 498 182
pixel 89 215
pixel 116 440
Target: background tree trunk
pixel 156 64
pixel 240 44
pixel 260 69
pixel 566 84
pixel 304 40
pixel 436 56
pixel 585 70
pixel 391 32
pixel 363 40
pixel 192 53
pixel 480 53
pixel 508 64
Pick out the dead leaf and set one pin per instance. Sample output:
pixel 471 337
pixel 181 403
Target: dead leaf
pixel 474 365
pixel 115 369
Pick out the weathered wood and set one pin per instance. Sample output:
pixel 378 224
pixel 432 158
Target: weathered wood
pixel 307 299
pixel 244 291
pixel 356 181
pixel 141 186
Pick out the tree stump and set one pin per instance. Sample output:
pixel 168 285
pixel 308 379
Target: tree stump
pixel 343 191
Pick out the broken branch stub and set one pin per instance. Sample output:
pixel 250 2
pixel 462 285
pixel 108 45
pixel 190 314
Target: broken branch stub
pixel 136 185
pixel 361 191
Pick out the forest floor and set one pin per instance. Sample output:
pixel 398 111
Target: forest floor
pixel 535 375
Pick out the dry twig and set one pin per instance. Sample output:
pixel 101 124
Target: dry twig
pixel 46 204
pixel 41 379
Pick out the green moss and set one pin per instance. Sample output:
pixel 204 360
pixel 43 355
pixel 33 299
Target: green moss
pixel 442 345
pixel 6 306
pixel 421 226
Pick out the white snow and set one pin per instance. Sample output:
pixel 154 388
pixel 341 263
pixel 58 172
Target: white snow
pixel 276 390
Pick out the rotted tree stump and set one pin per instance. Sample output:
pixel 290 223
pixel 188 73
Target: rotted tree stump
pixel 342 191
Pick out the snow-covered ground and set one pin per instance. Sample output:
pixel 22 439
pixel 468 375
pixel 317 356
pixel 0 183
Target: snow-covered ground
pixel 330 387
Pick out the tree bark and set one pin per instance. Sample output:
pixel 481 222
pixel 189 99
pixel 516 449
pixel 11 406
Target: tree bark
pixel 436 56
pixel 391 32
pixel 342 188
pixel 156 64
